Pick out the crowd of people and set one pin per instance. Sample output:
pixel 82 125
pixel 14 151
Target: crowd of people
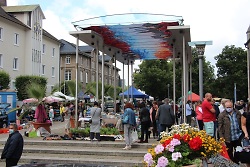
pixel 227 121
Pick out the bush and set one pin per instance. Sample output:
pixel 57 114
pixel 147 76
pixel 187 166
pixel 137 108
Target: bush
pixel 23 81
pixel 4 80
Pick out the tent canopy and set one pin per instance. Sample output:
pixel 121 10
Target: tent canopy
pixel 132 91
pixel 193 97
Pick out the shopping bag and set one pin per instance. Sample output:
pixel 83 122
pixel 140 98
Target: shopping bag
pixel 224 151
pixel 134 135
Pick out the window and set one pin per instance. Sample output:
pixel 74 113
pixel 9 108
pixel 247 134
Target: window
pixel 53 52
pixel 1 61
pixel 1 33
pixel 16 42
pixel 43 48
pixel 43 69
pixel 67 75
pixel 15 63
pixel 67 59
pixel 81 76
pixel 81 59
pixel 53 71
pixel 86 77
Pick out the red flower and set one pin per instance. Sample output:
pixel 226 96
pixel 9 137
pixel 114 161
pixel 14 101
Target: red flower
pixel 195 144
pixel 166 142
pixel 186 138
pixel 177 136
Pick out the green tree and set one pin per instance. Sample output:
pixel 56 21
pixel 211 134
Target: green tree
pixel 24 81
pixel 154 76
pixel 108 90
pixel 4 79
pixel 208 74
pixel 232 68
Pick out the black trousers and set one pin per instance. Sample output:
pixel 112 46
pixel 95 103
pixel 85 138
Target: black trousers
pixel 144 128
pixel 201 124
pixel 11 162
pixel 96 135
pixel 231 148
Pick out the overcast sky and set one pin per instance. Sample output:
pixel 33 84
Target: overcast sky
pixel 225 22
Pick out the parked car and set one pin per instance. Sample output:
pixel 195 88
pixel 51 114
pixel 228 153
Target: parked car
pixel 3 115
pixel 109 107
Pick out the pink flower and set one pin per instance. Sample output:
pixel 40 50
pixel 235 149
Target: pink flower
pixel 175 142
pixel 148 159
pixel 162 162
pixel 176 156
pixel 159 149
pixel 171 148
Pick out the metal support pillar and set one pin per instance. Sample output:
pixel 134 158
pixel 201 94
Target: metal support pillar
pixel 76 100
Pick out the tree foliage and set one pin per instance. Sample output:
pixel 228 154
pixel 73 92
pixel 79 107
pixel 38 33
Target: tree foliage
pixel 108 90
pixel 154 76
pixel 232 68
pixel 4 79
pixel 24 81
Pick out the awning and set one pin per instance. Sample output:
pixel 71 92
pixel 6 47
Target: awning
pixel 135 38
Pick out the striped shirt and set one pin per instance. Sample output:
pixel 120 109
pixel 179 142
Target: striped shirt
pixel 235 128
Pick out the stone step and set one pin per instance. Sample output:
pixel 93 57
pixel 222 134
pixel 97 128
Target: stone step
pixel 77 143
pixel 134 152
pixel 82 159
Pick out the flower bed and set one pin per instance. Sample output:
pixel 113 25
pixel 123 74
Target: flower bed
pixel 183 145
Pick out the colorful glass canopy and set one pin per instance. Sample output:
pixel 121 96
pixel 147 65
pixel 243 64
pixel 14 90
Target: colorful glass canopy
pixel 133 35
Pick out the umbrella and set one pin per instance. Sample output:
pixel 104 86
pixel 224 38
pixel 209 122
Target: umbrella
pixel 193 96
pixel 61 95
pixel 30 100
pixel 52 99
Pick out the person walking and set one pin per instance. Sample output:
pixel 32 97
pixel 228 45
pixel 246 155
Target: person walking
pixel 95 126
pixel 129 124
pixel 229 127
pixel 199 113
pixel 67 115
pixel 208 115
pixel 153 111
pixel 13 148
pixel 51 114
pixel 62 108
pixel 189 111
pixel 144 116
pixel 245 126
pixel 166 116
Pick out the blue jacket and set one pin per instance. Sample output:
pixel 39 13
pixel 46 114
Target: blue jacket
pixel 13 147
pixel 131 116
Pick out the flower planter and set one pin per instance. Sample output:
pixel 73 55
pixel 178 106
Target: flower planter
pixel 44 125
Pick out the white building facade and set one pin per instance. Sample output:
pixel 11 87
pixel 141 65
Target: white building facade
pixel 25 48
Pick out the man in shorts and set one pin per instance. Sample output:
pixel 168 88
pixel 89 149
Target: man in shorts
pixel 209 116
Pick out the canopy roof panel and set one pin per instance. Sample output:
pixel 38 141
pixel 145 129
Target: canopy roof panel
pixel 137 36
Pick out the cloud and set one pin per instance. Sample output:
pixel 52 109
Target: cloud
pixel 225 22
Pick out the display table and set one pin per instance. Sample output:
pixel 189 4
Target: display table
pixel 44 125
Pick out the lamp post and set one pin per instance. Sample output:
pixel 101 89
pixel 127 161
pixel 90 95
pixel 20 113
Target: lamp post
pixel 247 45
pixel 200 46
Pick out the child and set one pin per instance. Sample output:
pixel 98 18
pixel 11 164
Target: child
pixel 51 114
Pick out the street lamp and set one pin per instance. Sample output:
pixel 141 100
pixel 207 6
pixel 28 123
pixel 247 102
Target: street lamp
pixel 200 46
pixel 247 45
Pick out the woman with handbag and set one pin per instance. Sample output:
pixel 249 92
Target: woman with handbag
pixel 129 123
pixel 144 116
pixel 95 125
pixel 245 126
